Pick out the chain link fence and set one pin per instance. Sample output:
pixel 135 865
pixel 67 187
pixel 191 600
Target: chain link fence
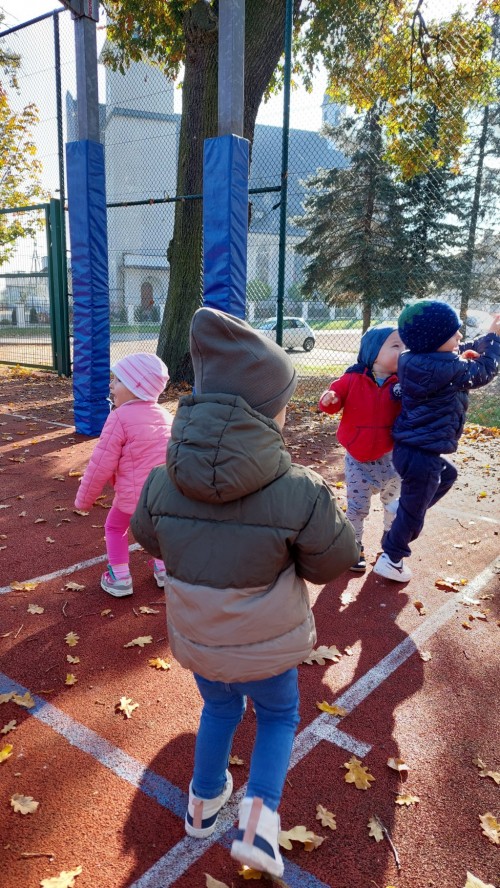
pixel 361 239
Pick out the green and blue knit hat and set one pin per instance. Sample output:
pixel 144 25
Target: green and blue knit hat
pixel 426 325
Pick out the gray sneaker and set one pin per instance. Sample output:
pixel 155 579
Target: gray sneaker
pixel 115 587
pixel 392 570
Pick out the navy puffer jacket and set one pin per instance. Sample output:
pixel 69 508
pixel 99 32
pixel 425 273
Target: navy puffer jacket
pixel 435 391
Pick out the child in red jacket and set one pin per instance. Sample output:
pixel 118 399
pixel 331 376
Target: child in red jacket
pixel 368 394
pixel 133 441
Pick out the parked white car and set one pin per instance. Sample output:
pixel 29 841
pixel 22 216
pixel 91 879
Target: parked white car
pixel 296 332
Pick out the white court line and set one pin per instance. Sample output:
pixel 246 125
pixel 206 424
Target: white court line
pixel 175 862
pixel 62 425
pixel 64 571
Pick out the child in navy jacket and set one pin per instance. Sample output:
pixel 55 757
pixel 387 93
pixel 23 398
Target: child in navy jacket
pixel 435 380
pixel 368 395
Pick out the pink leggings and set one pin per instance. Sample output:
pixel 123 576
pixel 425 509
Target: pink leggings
pixel 116 533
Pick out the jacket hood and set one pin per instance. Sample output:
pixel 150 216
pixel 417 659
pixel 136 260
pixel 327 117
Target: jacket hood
pixel 221 449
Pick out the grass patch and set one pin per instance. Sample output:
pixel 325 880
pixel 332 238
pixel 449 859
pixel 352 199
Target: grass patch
pixel 484 411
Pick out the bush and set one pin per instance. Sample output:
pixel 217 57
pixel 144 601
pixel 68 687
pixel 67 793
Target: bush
pixel 143 315
pixel 33 315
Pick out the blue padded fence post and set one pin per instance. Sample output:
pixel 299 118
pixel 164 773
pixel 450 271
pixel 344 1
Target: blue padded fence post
pixel 89 268
pixel 225 223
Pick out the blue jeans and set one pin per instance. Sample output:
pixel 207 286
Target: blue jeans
pixel 425 478
pixel 276 702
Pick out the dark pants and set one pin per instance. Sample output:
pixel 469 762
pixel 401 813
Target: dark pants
pixel 425 478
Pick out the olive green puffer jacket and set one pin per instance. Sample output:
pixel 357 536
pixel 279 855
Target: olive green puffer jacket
pixel 239 528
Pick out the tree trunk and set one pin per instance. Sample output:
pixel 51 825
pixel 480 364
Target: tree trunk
pixel 468 261
pixel 264 39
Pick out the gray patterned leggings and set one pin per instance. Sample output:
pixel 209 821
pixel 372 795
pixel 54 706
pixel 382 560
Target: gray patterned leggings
pixel 363 479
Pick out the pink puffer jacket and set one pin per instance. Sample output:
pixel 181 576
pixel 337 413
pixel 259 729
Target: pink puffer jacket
pixel 133 441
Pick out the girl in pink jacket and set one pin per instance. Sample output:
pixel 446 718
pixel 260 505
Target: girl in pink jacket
pixel 133 441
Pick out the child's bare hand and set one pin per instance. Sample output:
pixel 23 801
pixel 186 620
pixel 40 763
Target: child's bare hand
pixel 470 354
pixel 329 399
pixel 495 325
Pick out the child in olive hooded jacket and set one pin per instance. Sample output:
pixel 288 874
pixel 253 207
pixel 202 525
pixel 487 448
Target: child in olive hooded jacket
pixel 240 529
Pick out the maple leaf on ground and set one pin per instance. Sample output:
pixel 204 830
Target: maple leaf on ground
pixel 126 706
pixel 159 663
pixel 357 774
pixel 23 804
pixel 6 752
pixel 397 764
pixel 65 879
pixel 71 639
pixel 406 799
pixel 10 726
pixel 23 587
pixel 35 609
pixel 333 709
pixel 485 772
pixel 326 817
pixel 490 827
pixel 140 641
pixel 474 882
pixel 235 760
pixel 70 679
pixel 25 700
pixel 214 883
pixel 75 587
pixel 375 830
pixel 322 653
pixel 300 834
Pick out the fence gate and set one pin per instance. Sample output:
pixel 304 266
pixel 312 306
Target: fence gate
pixel 34 315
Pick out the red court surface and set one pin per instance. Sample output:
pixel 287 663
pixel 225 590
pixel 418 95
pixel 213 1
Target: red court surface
pixel 112 790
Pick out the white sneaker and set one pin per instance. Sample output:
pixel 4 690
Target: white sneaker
pixel 384 567
pixel 256 844
pixel 201 815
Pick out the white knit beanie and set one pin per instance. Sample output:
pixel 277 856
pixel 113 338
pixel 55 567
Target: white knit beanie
pixel 144 375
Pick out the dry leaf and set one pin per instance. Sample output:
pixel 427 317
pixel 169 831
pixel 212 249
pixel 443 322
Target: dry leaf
pixel 40 521
pixel 466 625
pixel 322 653
pixel 23 587
pixel 420 606
pixel 70 679
pixel 447 584
pixel 10 726
pixel 126 706
pixel 248 873
pixel 72 660
pixel 214 883
pixel 474 882
pixel 140 641
pixel 235 760
pixel 300 834
pixel 22 514
pixel 425 656
pixel 6 752
pixel 23 804
pixel 25 700
pixel 75 587
pixel 65 879
pixel 5 698
pixel 60 509
pixel 106 612
pixel 58 478
pixel 357 774
pixel 375 830
pixel 325 817
pixel 35 609
pixel 406 799
pixel 75 474
pixel 490 827
pixel 49 540
pixel 80 512
pixel 144 609
pixel 159 663
pixel 397 764
pixel 72 639
pixel 484 771
pixel 348 651
pixel 332 709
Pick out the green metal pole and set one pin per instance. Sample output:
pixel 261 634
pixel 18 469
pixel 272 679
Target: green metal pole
pixel 284 170
pixel 58 288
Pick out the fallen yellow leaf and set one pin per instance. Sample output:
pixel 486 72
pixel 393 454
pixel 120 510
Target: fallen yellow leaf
pixel 326 818
pixel 72 660
pixel 70 679
pixel 35 609
pixel 6 752
pixel 25 700
pixel 144 609
pixel 10 726
pixel 75 587
pixel 23 587
pixel 214 883
pixel 425 656
pixel 332 709
pixel 406 799
pixel 300 834
pixel 322 653
pixel 65 879
pixel 397 764
pixel 490 827
pixel 235 760
pixel 23 804
pixel 474 882
pixel 159 663
pixel 126 706
pixel 357 774
pixel 140 641
pixel 375 831
pixel 72 639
